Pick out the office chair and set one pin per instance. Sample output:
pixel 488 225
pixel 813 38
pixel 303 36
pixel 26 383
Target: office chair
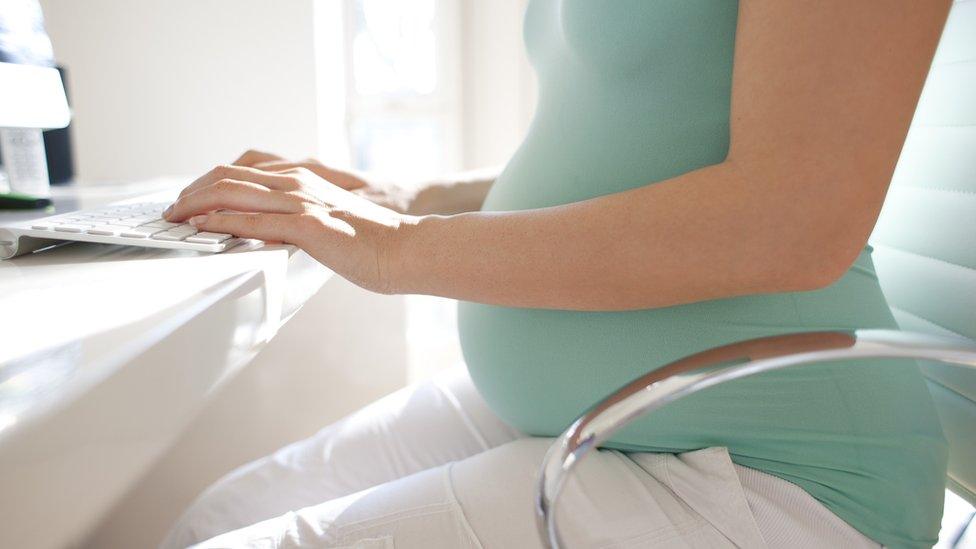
pixel 925 257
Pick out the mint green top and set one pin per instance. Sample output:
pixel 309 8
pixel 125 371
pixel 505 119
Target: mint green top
pixel 637 91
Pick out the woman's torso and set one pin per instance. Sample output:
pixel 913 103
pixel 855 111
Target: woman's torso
pixel 637 91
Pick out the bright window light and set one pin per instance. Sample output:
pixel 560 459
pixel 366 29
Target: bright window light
pixel 403 95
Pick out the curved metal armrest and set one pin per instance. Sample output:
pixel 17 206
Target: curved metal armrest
pixel 712 367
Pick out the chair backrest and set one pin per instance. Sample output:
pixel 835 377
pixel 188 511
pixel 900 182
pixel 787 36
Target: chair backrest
pixel 925 241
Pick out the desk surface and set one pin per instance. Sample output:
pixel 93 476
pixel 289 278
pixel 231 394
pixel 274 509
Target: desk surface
pixel 107 352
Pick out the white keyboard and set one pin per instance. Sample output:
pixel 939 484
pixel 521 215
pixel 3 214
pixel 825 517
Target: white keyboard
pixel 130 224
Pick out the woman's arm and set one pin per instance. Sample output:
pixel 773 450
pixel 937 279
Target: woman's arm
pixel 455 193
pixel 823 94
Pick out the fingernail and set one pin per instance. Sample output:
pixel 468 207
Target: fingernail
pixel 198 220
pixel 167 212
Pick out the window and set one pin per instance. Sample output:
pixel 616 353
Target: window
pixel 402 78
pixel 403 118
pixel 391 95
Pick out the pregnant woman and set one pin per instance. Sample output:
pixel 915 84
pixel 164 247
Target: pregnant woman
pixel 697 172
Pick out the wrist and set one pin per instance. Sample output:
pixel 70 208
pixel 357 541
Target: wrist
pixel 411 255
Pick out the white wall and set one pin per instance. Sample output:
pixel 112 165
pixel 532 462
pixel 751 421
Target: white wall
pixel 176 86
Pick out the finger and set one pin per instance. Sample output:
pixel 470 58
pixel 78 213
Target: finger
pixel 262 226
pixel 252 157
pixel 339 178
pixel 241 173
pixel 232 195
pixel 285 165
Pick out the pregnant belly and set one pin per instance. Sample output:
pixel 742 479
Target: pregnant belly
pixel 539 369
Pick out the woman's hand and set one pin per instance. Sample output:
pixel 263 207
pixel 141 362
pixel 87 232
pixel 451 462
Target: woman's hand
pixel 356 238
pixel 385 194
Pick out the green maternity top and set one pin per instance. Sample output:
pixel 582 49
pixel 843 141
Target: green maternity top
pixel 637 91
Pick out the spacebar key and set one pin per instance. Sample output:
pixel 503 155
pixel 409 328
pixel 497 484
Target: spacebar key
pixel 208 238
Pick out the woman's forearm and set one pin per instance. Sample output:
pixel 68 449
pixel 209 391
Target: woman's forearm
pixel 711 233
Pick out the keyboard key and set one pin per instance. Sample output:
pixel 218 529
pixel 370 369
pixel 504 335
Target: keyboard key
pixel 130 222
pixel 72 228
pixel 44 225
pixel 184 229
pixel 140 232
pixel 170 237
pixel 107 230
pixel 144 218
pixel 179 233
pixel 162 224
pixel 208 238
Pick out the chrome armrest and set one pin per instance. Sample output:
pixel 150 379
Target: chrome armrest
pixel 712 367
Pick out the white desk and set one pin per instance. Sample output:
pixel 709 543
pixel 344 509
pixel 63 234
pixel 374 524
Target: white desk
pixel 108 352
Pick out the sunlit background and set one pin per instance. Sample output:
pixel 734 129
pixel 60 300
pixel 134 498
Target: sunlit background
pixel 403 100
pixel 404 112
pixel 405 117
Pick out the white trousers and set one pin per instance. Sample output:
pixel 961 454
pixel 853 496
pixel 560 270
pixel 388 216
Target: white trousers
pixel 431 466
